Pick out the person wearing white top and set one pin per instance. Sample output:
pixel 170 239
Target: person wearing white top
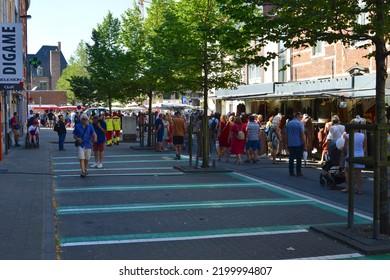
pixel 360 148
pixel 337 130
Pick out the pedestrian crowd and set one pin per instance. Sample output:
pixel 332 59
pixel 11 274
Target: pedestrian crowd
pixel 230 136
pixel 296 137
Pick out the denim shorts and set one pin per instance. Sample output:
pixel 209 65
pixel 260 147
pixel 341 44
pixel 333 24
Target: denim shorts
pixel 254 144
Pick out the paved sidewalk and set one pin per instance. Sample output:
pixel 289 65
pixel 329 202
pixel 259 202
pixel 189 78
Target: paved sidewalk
pixel 26 212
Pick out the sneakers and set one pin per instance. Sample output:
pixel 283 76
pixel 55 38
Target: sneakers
pixel 178 157
pixel 97 164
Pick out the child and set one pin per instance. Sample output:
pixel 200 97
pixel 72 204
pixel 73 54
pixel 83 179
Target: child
pixel 33 133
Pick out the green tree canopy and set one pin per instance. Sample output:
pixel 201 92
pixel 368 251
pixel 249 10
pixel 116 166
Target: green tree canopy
pixel 106 58
pixel 76 68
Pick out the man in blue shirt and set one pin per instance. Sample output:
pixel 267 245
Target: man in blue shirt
pixel 84 134
pixel 159 132
pixel 296 143
pixel 98 147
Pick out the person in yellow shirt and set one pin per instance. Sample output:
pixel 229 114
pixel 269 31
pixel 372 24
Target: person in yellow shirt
pixel 116 121
pixel 110 129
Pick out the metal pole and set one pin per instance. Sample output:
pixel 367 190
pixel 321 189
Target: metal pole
pixel 6 142
pixel 351 174
pixel 376 218
pixel 189 133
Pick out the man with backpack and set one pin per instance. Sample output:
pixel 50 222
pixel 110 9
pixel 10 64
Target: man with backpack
pixel 213 128
pixel 15 126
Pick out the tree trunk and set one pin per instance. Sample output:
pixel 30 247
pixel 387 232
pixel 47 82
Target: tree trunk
pixel 381 76
pixel 150 95
pixel 205 119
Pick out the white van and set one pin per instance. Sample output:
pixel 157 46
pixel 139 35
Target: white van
pixel 98 111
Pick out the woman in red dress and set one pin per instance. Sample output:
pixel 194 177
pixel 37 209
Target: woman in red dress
pixel 223 134
pixel 237 145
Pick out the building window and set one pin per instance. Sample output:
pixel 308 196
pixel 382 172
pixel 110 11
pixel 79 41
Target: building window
pixel 254 74
pixel 362 19
pixel 39 71
pixel 282 76
pixel 317 49
pixel 42 85
pixel 282 72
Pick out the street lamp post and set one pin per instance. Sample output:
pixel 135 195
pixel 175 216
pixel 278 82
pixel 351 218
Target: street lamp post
pixel 26 64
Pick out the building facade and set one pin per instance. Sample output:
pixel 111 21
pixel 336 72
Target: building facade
pixel 42 79
pixel 15 98
pixel 320 81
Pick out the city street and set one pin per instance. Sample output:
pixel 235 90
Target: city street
pixel 146 205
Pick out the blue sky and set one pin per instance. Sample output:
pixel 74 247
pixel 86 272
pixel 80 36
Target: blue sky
pixel 68 21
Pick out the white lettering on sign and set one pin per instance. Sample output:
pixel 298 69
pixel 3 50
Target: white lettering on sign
pixel 11 57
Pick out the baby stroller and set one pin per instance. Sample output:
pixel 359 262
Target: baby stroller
pixel 333 171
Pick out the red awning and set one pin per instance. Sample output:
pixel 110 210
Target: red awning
pixel 45 107
pixel 71 107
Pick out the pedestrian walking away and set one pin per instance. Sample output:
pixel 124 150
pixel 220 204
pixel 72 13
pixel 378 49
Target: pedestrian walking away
pixel 223 137
pixel 360 150
pixel 252 140
pixel 100 128
pixel 237 141
pixel 84 134
pixel 159 126
pixel 296 143
pixel 178 132
pixel 60 128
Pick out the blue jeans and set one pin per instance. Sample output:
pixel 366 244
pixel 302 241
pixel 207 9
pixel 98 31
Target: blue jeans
pixel 296 152
pixel 61 140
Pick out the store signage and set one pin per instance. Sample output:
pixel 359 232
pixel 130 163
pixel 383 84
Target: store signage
pixel 11 53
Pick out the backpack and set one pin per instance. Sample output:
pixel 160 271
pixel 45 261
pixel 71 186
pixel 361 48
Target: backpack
pixel 269 135
pixel 213 126
pixel 56 127
pixel 241 135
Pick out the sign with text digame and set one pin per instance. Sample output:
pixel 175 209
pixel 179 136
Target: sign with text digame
pixel 11 53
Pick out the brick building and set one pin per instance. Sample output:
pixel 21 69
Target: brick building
pixel 46 75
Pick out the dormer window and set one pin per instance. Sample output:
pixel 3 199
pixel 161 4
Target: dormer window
pixel 39 71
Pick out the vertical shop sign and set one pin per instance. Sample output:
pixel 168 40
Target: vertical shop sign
pixel 11 53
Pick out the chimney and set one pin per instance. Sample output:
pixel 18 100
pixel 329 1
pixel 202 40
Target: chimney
pixel 59 46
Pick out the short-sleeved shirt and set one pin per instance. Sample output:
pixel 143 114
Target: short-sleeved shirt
pixel 253 129
pixel 179 127
pixel 87 137
pixel 160 123
pixel 34 130
pixel 335 132
pixel 294 131
pixel 101 136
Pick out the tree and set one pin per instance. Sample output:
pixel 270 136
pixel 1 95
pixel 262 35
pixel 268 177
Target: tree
pixel 82 88
pixel 190 47
pixel 106 58
pixel 132 34
pixel 76 68
pixel 302 23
